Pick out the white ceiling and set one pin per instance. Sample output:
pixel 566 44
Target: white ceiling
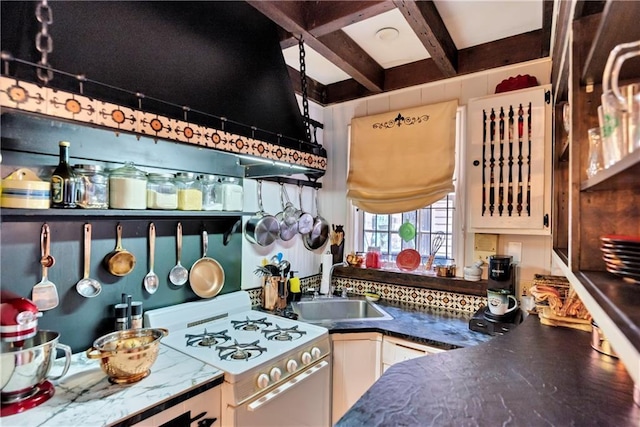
pixel 469 22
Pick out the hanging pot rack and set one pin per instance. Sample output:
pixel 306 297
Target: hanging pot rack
pixel 255 167
pixel 139 97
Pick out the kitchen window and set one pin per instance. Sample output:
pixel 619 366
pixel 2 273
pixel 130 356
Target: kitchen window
pixel 445 215
pixel 382 230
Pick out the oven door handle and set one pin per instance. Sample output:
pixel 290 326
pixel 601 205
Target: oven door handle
pixel 291 383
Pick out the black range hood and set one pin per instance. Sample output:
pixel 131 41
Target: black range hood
pixel 219 57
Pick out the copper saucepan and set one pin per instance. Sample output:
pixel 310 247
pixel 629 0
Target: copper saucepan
pixel 119 262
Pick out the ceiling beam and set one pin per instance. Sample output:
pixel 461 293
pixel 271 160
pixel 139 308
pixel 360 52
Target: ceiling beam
pixel 327 17
pixel 499 53
pixel 426 22
pixel 547 23
pixel 336 46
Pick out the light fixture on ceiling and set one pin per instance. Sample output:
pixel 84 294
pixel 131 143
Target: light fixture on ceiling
pixel 387 34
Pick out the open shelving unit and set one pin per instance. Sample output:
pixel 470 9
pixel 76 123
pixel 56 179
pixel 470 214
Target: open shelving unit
pixel 609 202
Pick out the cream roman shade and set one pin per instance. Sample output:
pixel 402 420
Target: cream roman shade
pixel 402 160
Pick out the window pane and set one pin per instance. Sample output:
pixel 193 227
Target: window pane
pixel 396 246
pixel 425 220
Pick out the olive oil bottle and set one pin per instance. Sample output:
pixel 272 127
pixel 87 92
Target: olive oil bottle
pixel 63 181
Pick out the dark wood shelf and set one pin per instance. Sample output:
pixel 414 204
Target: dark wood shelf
pixel 414 279
pixel 623 174
pixel 618 299
pixel 18 215
pixel 618 24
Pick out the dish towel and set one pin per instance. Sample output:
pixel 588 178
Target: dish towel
pixel 402 160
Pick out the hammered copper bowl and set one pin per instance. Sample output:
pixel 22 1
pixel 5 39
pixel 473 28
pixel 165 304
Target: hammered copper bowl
pixel 127 356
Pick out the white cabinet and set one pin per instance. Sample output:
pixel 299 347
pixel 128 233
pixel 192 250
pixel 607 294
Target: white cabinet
pixel 356 366
pixel 508 162
pixel 200 410
pixel 395 350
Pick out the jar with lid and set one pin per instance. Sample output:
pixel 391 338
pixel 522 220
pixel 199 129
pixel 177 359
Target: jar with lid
pixel 162 192
pixel 127 188
pixel 232 194
pixel 211 193
pixel 189 192
pixel 93 186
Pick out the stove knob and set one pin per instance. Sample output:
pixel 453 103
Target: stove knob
pixel 292 365
pixel 316 353
pixel 306 358
pixel 263 380
pixel 275 374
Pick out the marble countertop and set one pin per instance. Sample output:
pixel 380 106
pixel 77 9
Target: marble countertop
pixel 85 397
pixel 447 329
pixel 534 375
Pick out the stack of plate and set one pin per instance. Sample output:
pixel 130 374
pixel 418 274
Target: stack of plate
pixel 621 254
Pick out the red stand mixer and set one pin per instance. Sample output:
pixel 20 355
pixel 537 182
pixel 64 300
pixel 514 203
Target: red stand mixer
pixel 26 357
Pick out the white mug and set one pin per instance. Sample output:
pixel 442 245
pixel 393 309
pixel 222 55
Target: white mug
pixel 498 301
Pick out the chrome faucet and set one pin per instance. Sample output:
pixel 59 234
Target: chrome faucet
pixel 331 287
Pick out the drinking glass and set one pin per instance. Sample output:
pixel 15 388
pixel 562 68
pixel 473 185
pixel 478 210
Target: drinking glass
pixel 595 152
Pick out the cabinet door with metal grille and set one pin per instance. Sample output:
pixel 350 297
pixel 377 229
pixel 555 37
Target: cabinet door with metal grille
pixel 509 162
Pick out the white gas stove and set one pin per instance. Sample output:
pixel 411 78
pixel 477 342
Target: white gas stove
pixel 262 355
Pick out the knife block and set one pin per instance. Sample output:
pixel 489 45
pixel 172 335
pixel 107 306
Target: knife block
pixel 274 293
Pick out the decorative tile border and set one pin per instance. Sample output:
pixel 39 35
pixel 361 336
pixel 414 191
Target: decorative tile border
pixel 256 296
pixel 419 296
pixel 25 96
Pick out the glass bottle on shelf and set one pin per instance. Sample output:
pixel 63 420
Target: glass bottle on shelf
pixel 63 181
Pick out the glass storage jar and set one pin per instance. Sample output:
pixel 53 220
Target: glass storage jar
pixel 211 193
pixel 93 186
pixel 232 195
pixel 127 188
pixel 189 192
pixel 162 192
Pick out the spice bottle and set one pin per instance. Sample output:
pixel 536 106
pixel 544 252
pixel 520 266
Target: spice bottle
pixel 136 315
pixel 189 192
pixel 122 318
pixel 63 181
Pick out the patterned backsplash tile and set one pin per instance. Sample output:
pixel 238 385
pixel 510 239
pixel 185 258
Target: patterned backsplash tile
pixel 390 292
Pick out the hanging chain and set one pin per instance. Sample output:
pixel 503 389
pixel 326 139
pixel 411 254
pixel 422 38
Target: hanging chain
pixel 44 42
pixel 303 81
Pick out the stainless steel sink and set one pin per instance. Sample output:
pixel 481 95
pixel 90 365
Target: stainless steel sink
pixel 338 309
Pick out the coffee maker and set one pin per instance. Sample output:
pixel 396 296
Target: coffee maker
pixel 502 275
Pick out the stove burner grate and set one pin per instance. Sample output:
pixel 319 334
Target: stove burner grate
pixel 250 324
pixel 206 339
pixel 283 334
pixel 240 351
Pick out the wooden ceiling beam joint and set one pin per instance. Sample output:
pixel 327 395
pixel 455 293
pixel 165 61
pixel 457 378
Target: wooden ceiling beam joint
pixel 426 22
